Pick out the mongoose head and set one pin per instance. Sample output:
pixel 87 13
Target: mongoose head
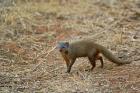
pixel 63 47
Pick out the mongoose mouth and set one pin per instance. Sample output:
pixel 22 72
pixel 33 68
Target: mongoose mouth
pixel 61 50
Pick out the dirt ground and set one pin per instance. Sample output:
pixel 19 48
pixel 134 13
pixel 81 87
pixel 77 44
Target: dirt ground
pixel 30 31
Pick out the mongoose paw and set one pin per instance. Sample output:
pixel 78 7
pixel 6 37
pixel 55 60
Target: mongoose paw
pixel 101 67
pixel 67 71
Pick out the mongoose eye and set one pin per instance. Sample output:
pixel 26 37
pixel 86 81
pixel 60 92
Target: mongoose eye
pixel 63 47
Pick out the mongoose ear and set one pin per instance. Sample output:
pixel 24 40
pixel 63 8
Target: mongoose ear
pixel 67 44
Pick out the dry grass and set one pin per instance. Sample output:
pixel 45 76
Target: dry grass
pixel 30 31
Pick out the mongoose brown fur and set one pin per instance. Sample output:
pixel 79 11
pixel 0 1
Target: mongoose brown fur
pixel 86 48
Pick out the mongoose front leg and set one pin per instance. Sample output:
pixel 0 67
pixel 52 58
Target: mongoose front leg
pixel 70 65
pixel 66 59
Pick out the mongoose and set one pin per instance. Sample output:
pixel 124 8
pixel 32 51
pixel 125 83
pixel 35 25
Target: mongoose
pixel 86 48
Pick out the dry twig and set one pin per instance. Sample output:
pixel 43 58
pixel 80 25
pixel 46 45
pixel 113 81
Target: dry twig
pixel 41 55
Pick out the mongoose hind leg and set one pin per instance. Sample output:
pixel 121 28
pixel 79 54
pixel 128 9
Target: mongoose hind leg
pixel 98 57
pixel 92 62
pixel 101 60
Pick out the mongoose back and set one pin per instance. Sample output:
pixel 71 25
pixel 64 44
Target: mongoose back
pixel 86 48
